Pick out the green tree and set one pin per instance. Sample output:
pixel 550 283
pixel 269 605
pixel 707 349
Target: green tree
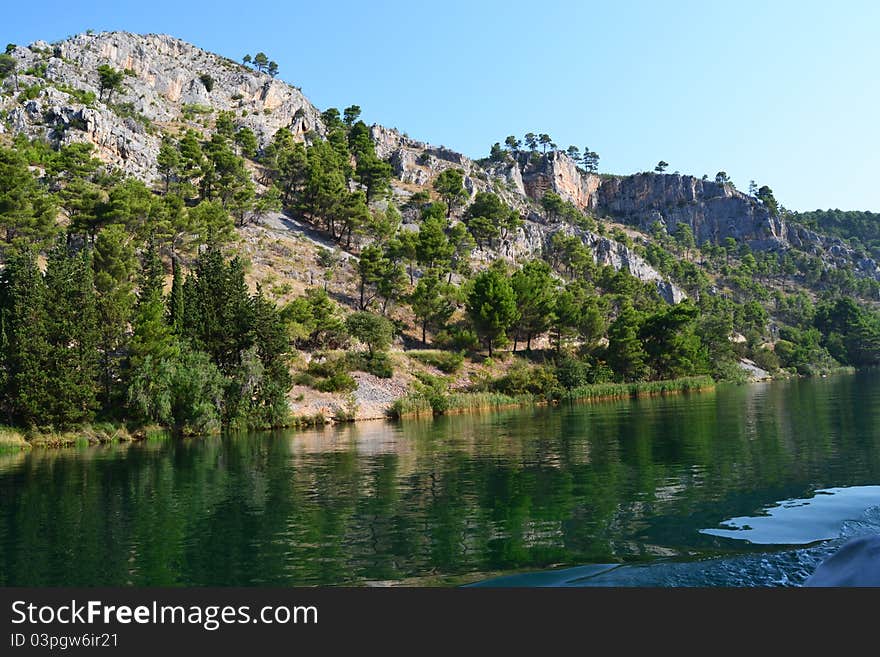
pixel 246 141
pixel 210 221
pixel 487 217
pixel 152 341
pixel 626 354
pixel 461 245
pixel 671 343
pixel 685 237
pixel 765 195
pixel 24 337
pixel 314 321
pixel 351 114
pixel 370 268
pixel 72 337
pixel 545 140
pixel 566 316
pixel 432 248
pixel 27 211
pixel 491 305
pixel 535 293
pixel 590 161
pixel 261 61
pixel 661 166
pixel 113 264
pixel 432 302
pixel 7 68
pixel 450 186
pixel 168 161
pixel 176 300
pixel 218 313
pixel 256 391
pixel 373 330
pixel 109 80
pixel 513 144
pixel 553 205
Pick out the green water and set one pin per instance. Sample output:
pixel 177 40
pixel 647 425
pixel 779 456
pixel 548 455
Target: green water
pixel 455 500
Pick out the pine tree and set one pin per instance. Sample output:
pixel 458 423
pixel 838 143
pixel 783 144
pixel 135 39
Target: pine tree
pixel 168 161
pixel 176 298
pixel 273 347
pixel 25 349
pixel 433 248
pixel 370 267
pixel 450 186
pixel 27 212
pixel 217 309
pixel 626 355
pixel 72 336
pixel 152 337
pixel 431 302
pixel 491 305
pixel 535 299
pixel 113 264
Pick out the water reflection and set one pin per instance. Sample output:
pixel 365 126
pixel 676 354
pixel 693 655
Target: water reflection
pixel 449 501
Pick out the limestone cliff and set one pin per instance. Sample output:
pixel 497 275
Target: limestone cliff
pixel 163 90
pixel 54 96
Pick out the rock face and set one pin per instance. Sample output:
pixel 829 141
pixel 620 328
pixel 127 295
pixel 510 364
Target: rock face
pixel 163 89
pixel 713 211
pixel 619 256
pixel 557 172
pixel 533 238
pixel 171 86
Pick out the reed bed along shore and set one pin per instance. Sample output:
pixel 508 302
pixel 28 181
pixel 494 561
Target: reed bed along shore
pixel 422 405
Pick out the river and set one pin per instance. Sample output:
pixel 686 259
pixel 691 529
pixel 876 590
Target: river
pixel 745 485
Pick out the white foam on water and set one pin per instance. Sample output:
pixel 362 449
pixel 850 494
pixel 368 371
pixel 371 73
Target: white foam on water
pixel 830 513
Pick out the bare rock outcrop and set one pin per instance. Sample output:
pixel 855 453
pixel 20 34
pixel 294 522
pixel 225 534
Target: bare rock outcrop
pixel 168 85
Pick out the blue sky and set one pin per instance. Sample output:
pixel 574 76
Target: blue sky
pixel 783 92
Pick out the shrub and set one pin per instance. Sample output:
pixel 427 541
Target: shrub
pixel 29 93
pixel 373 330
pixel 458 339
pixel 766 359
pixel 379 364
pixel 327 375
pixel 449 362
pixel 79 95
pixel 572 372
pixel 338 382
pixel 524 380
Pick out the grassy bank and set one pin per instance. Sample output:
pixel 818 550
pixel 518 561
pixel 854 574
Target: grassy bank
pixel 12 440
pixel 426 405
pixel 98 434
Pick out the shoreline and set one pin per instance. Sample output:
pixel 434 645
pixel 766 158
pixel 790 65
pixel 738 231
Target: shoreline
pixel 409 407
pixel 420 406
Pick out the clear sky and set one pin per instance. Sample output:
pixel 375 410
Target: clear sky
pixel 782 92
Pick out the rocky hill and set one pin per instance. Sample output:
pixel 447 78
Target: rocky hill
pixel 171 85
pixel 166 89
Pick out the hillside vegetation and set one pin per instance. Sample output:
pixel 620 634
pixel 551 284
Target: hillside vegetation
pixel 248 269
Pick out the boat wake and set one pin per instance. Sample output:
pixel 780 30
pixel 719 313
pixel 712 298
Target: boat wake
pixel 784 567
